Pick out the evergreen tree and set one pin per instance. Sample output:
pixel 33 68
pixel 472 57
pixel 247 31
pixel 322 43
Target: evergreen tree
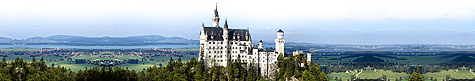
pixel 416 76
pixel 306 76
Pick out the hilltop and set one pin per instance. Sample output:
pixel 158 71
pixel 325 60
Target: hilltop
pixel 99 41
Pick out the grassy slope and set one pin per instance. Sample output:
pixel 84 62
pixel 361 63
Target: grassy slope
pixel 188 50
pixel 344 76
pixel 422 60
pixel 370 75
pixel 75 67
pixel 389 74
pixel 456 74
pixel 18 50
pixel 117 57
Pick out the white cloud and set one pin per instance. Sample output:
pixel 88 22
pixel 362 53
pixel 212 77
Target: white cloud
pixel 416 13
pixel 462 15
pixel 262 9
pixel 368 15
pixel 267 28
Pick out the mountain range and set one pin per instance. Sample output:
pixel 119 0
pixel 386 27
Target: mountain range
pixel 100 41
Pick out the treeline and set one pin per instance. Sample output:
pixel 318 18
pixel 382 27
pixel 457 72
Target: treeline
pixel 386 66
pixel 296 67
pixel 461 60
pixel 193 70
pixel 20 70
pixel 293 67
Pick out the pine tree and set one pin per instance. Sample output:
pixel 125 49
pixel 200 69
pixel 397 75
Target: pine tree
pixel 416 76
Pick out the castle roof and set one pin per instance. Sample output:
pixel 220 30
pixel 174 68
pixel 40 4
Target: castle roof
pixel 216 33
pixel 266 50
pixel 280 31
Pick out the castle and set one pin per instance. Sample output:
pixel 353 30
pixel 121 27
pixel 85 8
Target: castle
pixel 221 44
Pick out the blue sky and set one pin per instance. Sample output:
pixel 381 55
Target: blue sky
pixel 314 21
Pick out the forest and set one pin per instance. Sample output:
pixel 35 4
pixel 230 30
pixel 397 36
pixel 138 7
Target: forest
pixel 176 70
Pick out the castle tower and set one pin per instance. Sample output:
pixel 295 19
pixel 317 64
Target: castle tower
pixel 261 45
pixel 309 57
pixel 216 17
pixel 203 38
pixel 226 43
pixel 279 42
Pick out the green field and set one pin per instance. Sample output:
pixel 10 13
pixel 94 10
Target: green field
pixel 28 58
pixel 413 60
pixel 326 59
pixel 18 50
pixel 425 60
pixel 188 50
pixel 378 73
pixel 344 76
pixel 456 74
pixel 369 75
pixel 116 57
pixel 76 67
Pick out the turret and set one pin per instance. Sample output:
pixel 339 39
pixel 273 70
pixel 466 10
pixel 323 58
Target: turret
pixel 309 57
pixel 226 42
pixel 261 46
pixel 216 17
pixel 279 42
pixel 280 34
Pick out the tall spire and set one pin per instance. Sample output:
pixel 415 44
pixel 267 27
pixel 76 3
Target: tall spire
pixel 226 23
pixel 216 17
pixel 216 10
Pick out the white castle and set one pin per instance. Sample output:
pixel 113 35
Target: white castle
pixel 221 44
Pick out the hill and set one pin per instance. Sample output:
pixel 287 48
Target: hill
pixel 104 41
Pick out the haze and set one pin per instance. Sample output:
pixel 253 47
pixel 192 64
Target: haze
pixel 322 22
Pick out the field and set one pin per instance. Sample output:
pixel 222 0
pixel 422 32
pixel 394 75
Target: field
pixel 378 73
pixel 369 75
pixel 18 50
pixel 426 60
pixel 188 50
pixel 116 57
pixel 327 59
pixel 456 74
pixel 344 76
pixel 76 67
pixel 392 75
pixel 412 60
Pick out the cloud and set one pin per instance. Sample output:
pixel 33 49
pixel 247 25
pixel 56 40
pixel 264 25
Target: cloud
pixel 462 15
pixel 289 33
pixel 267 28
pixel 416 13
pixel 368 15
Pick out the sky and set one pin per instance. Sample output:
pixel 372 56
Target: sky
pixel 365 22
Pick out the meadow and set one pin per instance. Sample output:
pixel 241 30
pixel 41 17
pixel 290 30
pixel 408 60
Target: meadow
pixel 453 73
pixel 411 60
pixel 116 57
pixel 369 74
pixel 76 67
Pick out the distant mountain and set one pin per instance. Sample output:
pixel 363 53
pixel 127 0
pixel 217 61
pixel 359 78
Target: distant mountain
pixel 4 38
pixel 106 41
